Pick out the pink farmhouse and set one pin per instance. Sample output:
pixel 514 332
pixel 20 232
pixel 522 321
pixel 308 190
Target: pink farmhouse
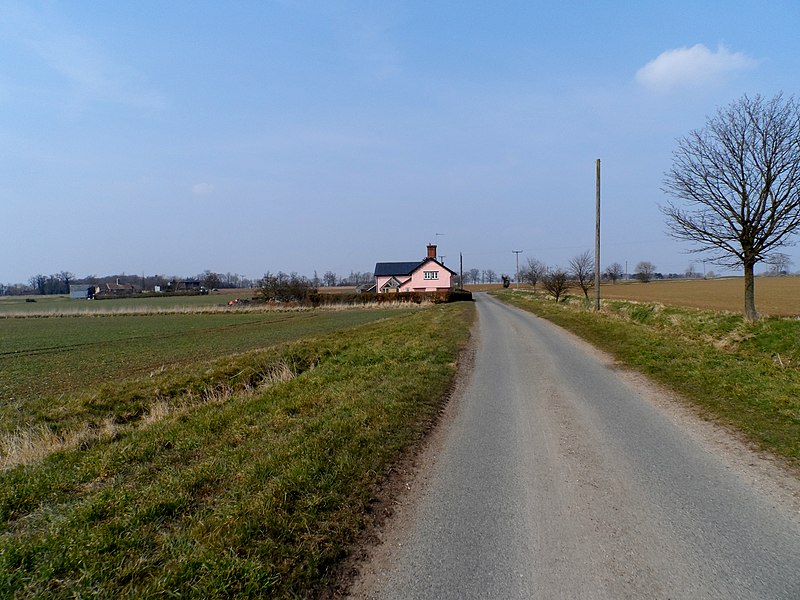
pixel 428 275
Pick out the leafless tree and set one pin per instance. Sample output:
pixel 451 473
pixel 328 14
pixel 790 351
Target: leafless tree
pixel 38 282
pixel 644 271
pixel 779 263
pixel 210 280
pixel 582 270
pixel 556 282
pixel 533 271
pixel 329 278
pixel 490 276
pixel 473 275
pixel 67 278
pixel 740 178
pixel 614 271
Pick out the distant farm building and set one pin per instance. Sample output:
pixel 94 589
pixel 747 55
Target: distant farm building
pixel 427 275
pixel 116 289
pixel 188 285
pixel 82 290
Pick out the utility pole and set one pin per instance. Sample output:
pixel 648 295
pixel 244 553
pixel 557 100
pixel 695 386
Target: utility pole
pixel 516 277
pixel 597 245
pixel 461 269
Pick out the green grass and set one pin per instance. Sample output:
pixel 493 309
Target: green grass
pixel 253 493
pixel 44 361
pixel 744 375
pixel 65 304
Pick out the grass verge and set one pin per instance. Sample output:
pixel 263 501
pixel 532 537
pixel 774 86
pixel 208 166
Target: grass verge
pixel 252 493
pixel 744 375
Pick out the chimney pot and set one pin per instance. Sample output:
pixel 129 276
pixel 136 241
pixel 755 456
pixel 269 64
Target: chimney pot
pixel 431 250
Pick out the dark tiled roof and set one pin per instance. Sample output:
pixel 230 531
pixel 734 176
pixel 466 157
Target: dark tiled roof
pixel 383 269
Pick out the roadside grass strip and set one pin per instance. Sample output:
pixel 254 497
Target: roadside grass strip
pixel 246 477
pixel 743 375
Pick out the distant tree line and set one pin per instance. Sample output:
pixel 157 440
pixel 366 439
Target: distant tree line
pixel 60 283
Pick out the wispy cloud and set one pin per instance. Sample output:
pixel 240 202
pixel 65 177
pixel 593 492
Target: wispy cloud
pixel 202 189
pixel 91 73
pixel 695 66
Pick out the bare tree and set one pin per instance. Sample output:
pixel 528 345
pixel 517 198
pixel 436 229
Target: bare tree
pixel 556 282
pixel 473 275
pixel 644 271
pixel 778 263
pixel 533 271
pixel 67 278
pixel 614 271
pixel 490 276
pixel 329 278
pixel 740 176
pixel 39 283
pixel 582 269
pixel 210 280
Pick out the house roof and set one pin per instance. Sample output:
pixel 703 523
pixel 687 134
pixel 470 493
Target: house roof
pixel 385 269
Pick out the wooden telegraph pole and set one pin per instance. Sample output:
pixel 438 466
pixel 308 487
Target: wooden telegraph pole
pixel 597 245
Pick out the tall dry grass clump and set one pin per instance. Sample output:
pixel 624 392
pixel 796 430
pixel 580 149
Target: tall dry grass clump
pixel 30 445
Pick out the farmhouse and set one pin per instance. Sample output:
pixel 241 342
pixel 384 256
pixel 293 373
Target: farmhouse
pixel 187 285
pixel 117 289
pixel 428 275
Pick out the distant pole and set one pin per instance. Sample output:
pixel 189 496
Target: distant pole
pixel 516 277
pixel 461 269
pixel 597 245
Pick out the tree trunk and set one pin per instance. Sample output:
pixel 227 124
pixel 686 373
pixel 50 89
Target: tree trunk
pixel 750 313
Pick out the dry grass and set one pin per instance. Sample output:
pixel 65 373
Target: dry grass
pixel 775 296
pixel 30 445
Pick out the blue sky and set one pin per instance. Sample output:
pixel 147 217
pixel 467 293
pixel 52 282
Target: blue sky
pixel 174 137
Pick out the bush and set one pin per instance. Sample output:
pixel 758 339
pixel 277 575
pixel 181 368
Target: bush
pixel 281 287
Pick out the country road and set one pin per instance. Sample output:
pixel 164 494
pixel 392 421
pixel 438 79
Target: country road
pixel 556 478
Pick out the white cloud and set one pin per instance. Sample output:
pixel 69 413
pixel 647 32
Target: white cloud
pixel 202 189
pixel 695 66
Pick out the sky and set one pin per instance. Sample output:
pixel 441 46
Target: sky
pixel 155 137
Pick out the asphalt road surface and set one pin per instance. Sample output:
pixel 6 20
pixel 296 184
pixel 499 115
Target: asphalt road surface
pixel 557 479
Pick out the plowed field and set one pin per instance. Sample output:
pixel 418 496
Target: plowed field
pixel 775 296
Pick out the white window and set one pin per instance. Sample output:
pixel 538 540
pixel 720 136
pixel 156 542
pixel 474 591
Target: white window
pixel 431 274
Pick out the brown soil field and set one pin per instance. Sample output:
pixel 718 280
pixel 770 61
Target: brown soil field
pixel 775 296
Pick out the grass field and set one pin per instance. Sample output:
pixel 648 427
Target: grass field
pixel 775 296
pixel 51 305
pixel 45 362
pixel 746 375
pixel 231 472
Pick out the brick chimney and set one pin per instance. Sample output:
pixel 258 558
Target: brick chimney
pixel 431 250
